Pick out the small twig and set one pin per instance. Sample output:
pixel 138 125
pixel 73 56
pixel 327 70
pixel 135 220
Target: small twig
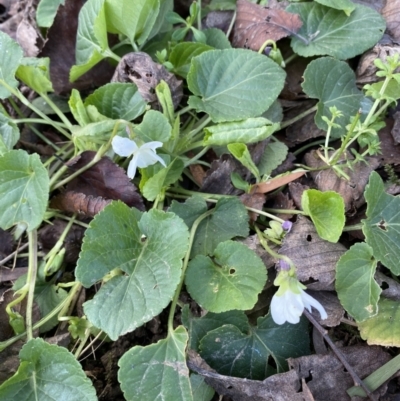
pixel 11 255
pixel 340 356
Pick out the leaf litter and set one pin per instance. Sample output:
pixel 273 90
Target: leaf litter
pixel 289 163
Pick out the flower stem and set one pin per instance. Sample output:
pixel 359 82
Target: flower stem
pixel 184 267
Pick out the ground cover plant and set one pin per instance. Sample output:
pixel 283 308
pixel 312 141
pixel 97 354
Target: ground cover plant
pixel 196 199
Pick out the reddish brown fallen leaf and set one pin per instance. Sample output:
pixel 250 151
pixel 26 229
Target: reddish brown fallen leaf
pixel 105 179
pixel 276 182
pixel 256 24
pixel 73 202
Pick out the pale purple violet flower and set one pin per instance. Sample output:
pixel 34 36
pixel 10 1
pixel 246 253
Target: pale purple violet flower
pixel 143 156
pixel 287 225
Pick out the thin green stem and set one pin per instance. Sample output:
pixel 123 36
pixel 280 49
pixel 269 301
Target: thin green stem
pixel 184 267
pixel 75 288
pixel 66 180
pixel 353 227
pixel 298 117
pixel 27 103
pixel 274 254
pixel 60 114
pixel 290 58
pixel 194 145
pixel 309 145
pixel 197 157
pixel 31 281
pixel 184 110
pixel 284 211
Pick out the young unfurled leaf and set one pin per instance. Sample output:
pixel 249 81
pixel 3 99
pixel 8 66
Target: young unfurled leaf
pixel 326 210
pixel 157 371
pixel 91 40
pixel 46 12
pixel 78 109
pixel 24 189
pixel 247 131
pixel 357 290
pixel 246 353
pixel 336 88
pixel 35 72
pixel 162 179
pixel 200 389
pixel 240 152
pixel 232 279
pixel 150 266
pixel 10 58
pixel 381 228
pixel 215 228
pixel 256 24
pixel 233 84
pixel 274 155
pixel 134 19
pixel 117 100
pixel 182 54
pixel 47 372
pixel 346 5
pixel 154 127
pixel 331 32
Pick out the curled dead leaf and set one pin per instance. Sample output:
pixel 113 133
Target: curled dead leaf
pixel 277 182
pixel 75 202
pixel 256 24
pixel 140 69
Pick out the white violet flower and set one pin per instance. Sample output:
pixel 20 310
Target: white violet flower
pixel 143 156
pixel 288 303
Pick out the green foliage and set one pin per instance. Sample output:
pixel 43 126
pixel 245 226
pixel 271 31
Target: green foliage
pixel 160 370
pixel 333 83
pixel 346 5
pixel 182 54
pixel 231 279
pixel 134 19
pixel 10 58
pixel 217 227
pixel 154 127
pixel 117 100
pixel 383 328
pixel 46 12
pixel 9 133
pixel 250 130
pixel 35 72
pixel 245 353
pixel 145 271
pixel 91 40
pixel 357 290
pixel 47 372
pixel 233 84
pixel 326 210
pixel 24 189
pixel 381 227
pixel 274 154
pixel 326 31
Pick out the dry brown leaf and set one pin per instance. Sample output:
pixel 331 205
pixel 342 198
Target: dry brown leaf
pixel 328 380
pixel 140 69
pixel 255 201
pixel 366 70
pixel 391 13
pixel 256 24
pixel 282 201
pixel 276 182
pixel 352 191
pixel 314 258
pixel 281 387
pixel 105 179
pixel 76 202
pixel 6 243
